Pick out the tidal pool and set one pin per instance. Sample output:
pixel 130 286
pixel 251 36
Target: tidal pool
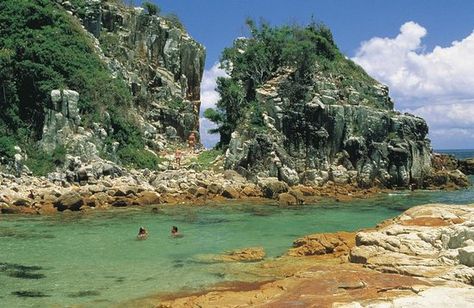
pixel 95 260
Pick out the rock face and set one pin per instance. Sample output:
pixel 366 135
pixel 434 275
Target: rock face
pixel 159 61
pixel 467 165
pixel 162 64
pixel 62 128
pixel 337 134
pixel 435 241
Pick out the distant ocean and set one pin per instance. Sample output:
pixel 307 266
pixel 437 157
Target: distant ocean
pixel 459 154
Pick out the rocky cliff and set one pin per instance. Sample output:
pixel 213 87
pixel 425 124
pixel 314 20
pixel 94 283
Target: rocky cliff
pixel 94 79
pixel 335 124
pixel 333 137
pixel 161 64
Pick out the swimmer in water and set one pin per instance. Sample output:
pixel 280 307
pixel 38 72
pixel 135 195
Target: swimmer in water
pixel 142 234
pixel 175 233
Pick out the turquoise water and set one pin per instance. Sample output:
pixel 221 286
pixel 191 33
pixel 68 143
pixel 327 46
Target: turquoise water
pixel 95 260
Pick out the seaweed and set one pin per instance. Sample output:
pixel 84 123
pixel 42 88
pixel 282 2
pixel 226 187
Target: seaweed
pixel 25 275
pixel 84 293
pixel 21 271
pixel 30 294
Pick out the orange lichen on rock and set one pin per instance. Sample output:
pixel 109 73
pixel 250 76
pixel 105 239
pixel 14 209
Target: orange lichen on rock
pixel 338 243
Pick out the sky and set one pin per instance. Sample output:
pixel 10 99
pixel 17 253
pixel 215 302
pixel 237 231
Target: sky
pixel 423 50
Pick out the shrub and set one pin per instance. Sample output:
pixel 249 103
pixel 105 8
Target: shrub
pixel 151 8
pixel 43 48
pixel 7 147
pixel 42 163
pixel 138 158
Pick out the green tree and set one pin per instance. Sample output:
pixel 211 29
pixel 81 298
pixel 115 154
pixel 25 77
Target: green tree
pixel 229 108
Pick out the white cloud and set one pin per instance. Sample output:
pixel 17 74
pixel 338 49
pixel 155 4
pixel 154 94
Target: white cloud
pixel 209 95
pixel 447 115
pixel 209 98
pixel 208 140
pixel 437 85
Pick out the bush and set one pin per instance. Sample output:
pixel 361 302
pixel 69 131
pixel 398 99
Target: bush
pixel 42 163
pixel 151 8
pixel 42 48
pixel 138 158
pixel 173 19
pixel 7 147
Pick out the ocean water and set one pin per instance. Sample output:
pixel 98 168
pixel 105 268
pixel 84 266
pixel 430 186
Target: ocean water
pixel 94 259
pixel 459 154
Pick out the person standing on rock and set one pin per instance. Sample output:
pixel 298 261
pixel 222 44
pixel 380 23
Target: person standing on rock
pixel 192 141
pixel 177 157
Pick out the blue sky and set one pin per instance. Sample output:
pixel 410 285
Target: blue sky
pixel 415 37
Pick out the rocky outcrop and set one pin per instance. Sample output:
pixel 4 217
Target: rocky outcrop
pixel 324 279
pixel 339 243
pixel 435 241
pixel 161 63
pixel 337 134
pixel 62 128
pixel 447 172
pixel 467 166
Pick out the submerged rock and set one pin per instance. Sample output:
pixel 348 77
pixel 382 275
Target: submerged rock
pixel 287 199
pixel 247 254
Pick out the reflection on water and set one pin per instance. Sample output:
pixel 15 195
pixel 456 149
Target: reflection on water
pixel 94 258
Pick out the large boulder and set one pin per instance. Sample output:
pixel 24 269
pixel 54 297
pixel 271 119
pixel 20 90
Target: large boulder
pixel 69 201
pixel 323 243
pixel 271 188
pixel 287 199
pixel 230 193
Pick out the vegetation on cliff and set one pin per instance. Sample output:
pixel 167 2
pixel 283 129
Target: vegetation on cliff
pixel 43 48
pixel 268 52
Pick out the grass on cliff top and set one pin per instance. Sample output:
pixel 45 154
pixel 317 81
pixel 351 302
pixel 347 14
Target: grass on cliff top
pixel 205 159
pixel 41 163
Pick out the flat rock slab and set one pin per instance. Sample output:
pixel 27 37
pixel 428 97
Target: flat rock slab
pixel 319 286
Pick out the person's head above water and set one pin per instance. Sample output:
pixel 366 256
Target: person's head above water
pixel 141 230
pixel 174 229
